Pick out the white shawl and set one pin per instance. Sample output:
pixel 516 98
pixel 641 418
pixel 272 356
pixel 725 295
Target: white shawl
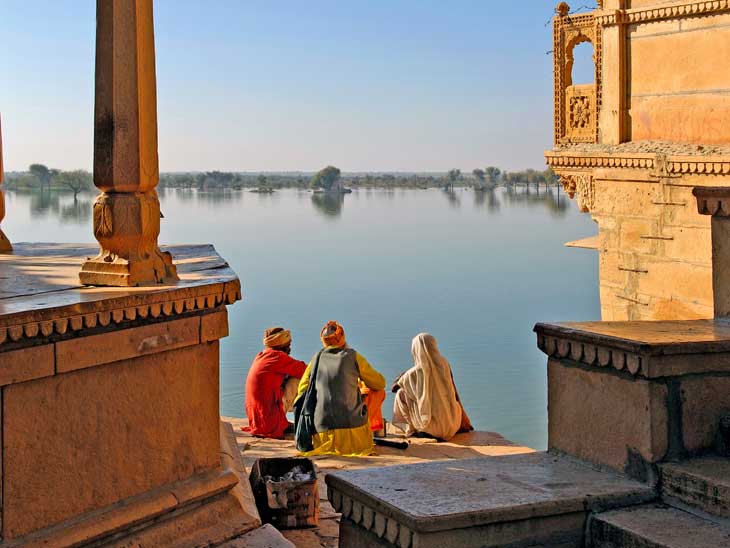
pixel 430 392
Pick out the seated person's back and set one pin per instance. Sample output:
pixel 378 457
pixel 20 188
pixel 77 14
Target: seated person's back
pixel 271 385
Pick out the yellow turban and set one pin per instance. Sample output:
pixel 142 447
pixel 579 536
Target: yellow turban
pixel 333 335
pixel 276 336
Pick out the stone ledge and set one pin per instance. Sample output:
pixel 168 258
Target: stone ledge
pixel 660 12
pixel 648 349
pixel 400 503
pixel 41 296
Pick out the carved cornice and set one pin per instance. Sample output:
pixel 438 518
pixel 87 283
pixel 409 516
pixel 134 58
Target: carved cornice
pixel 378 524
pixel 223 294
pixel 671 165
pixel 670 11
pixel 591 354
pixel 583 161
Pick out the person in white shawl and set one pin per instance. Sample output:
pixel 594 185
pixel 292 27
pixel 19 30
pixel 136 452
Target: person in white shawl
pixel 426 398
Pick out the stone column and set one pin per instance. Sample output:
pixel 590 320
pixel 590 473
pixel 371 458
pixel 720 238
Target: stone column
pixel 715 201
pixel 127 212
pixel 4 242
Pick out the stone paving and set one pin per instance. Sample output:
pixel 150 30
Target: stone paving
pixel 462 446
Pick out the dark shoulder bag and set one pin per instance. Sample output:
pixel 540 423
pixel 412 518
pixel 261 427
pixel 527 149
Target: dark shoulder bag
pixel 304 412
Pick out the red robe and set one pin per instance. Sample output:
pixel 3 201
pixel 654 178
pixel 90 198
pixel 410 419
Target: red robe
pixel 264 407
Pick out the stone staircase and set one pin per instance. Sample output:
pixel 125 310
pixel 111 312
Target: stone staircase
pixel 694 511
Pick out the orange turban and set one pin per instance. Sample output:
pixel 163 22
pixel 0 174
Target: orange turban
pixel 333 335
pixel 280 337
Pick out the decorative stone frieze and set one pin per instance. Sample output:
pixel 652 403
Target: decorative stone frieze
pixel 370 520
pixel 647 349
pixel 670 11
pixel 576 107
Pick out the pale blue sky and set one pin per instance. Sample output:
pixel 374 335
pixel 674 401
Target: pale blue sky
pixel 284 85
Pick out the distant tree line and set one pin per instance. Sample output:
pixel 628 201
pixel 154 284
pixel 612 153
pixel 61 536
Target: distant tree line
pixel 44 178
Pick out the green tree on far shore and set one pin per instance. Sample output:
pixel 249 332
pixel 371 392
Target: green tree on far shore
pixel 42 174
pixel 78 180
pixel 325 178
pixel 493 174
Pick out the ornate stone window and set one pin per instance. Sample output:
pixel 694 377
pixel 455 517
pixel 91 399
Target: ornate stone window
pixel 576 106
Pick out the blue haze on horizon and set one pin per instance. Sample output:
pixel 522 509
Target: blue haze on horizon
pixel 256 85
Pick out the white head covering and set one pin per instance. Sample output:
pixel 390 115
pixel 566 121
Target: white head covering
pixel 430 390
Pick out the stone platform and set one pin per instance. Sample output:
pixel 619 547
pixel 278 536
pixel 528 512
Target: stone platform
pixel 535 499
pixel 420 451
pixel 110 424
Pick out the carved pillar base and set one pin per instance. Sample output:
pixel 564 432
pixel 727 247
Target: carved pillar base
pixel 127 226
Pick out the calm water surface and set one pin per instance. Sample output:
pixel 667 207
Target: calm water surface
pixel 476 270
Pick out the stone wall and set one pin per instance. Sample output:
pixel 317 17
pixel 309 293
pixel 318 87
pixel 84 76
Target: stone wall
pixel 679 85
pixel 654 249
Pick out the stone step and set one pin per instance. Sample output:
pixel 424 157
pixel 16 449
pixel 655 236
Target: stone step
pixel 654 526
pixel 535 499
pixel 703 483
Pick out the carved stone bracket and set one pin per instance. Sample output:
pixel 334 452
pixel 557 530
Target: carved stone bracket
pixel 576 107
pixel 582 186
pixel 713 201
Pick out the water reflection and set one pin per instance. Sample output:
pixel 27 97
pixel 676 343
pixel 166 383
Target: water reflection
pixel 452 197
pixel 329 205
pixel 486 198
pixel 550 198
pixel 45 203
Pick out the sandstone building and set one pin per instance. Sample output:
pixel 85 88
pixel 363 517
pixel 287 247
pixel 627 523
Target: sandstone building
pixel 654 124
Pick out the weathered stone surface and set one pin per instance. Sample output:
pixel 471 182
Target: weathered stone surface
pixel 127 343
pixel 263 537
pixel 214 326
pixel 484 491
pixel 655 526
pixel 26 364
pixel 109 442
pixel 704 401
pixel 702 483
pixel 604 418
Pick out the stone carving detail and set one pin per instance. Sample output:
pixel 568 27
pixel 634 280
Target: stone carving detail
pixel 673 165
pixel 579 112
pixel 591 354
pixel 642 15
pixel 576 107
pixel 102 318
pixel 581 185
pixel 127 212
pixel 5 245
pixel 383 527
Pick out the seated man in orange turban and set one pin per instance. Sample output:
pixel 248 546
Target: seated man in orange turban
pixel 271 385
pixel 344 418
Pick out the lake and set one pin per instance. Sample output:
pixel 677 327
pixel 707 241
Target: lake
pixel 475 269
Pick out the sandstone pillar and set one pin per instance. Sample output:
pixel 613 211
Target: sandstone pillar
pixel 127 212
pixel 715 201
pixel 4 242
